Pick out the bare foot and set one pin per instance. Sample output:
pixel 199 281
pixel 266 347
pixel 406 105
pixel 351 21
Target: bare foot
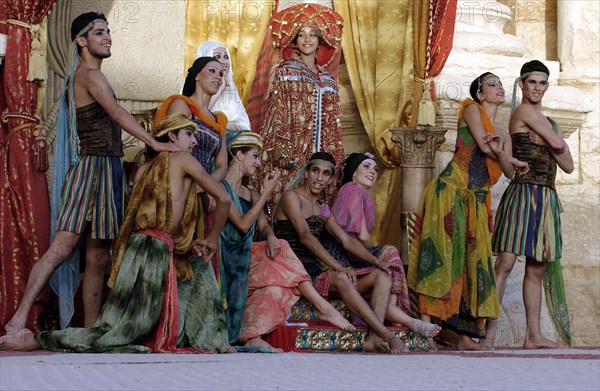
pixel 432 345
pixel 334 317
pixel 466 343
pixel 490 335
pixel 397 346
pixel 230 349
pixel 14 326
pixel 261 343
pixel 540 343
pixel 424 329
pixel 22 340
pixel 375 344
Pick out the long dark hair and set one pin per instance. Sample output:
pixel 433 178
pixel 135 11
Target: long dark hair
pixel 189 86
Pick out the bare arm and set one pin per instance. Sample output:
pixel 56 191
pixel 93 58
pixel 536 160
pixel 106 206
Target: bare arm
pixel 472 118
pixel 354 246
pixel 243 223
pixel 564 159
pixel 502 148
pixel 349 243
pixel 194 169
pixel 541 125
pixel 179 105
pixel 273 245
pixel 221 162
pixel 291 206
pixel 100 90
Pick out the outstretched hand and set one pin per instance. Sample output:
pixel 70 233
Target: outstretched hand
pixel 165 147
pixel 204 249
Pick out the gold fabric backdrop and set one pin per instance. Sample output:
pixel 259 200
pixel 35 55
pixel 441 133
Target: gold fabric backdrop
pixel 378 49
pixel 240 25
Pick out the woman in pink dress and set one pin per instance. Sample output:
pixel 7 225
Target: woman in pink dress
pixel 355 213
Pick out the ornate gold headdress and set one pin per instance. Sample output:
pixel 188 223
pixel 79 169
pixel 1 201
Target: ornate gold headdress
pixel 286 24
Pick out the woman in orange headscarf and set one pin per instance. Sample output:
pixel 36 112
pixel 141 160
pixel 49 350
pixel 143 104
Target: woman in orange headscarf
pixel 450 257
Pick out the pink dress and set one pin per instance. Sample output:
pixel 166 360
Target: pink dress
pixel 352 206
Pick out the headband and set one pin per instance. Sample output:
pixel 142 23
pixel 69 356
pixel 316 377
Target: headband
pixel 296 179
pixel 89 26
pixel 320 161
pixel 517 80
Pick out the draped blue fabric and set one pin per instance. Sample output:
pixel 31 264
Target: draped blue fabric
pixel 234 266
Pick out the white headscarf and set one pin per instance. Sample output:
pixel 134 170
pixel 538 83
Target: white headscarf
pixel 227 99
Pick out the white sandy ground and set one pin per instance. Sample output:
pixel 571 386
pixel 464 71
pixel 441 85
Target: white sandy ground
pixel 566 369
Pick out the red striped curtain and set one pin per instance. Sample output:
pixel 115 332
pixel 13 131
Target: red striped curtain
pixel 434 32
pixel 24 205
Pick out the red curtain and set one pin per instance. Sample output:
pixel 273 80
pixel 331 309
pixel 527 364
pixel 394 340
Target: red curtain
pixel 24 205
pixel 442 17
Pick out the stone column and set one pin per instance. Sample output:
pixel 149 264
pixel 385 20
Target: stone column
pixel 577 49
pixel 418 146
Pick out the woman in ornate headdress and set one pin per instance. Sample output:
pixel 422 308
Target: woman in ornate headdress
pixel 261 280
pixel 354 211
pixel 227 100
pixel 450 256
pixel 302 113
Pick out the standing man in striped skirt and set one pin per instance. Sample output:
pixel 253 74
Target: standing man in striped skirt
pixel 92 197
pixel 528 218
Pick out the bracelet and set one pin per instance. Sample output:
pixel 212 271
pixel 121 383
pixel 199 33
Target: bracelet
pixel 254 213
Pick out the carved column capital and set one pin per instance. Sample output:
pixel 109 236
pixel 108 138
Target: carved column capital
pixel 418 145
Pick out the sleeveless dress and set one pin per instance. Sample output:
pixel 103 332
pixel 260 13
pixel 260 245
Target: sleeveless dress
pixel 528 223
pixel 260 291
pixel 450 255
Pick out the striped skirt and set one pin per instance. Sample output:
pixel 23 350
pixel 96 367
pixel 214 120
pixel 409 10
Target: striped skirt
pixel 93 191
pixel 528 222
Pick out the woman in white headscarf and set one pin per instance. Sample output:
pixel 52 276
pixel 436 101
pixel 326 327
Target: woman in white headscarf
pixel 227 99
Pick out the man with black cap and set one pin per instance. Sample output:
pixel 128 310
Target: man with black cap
pixel 528 217
pixel 89 145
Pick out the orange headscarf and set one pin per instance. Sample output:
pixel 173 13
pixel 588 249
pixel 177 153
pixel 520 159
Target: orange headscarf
pixel 161 112
pixel 494 170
